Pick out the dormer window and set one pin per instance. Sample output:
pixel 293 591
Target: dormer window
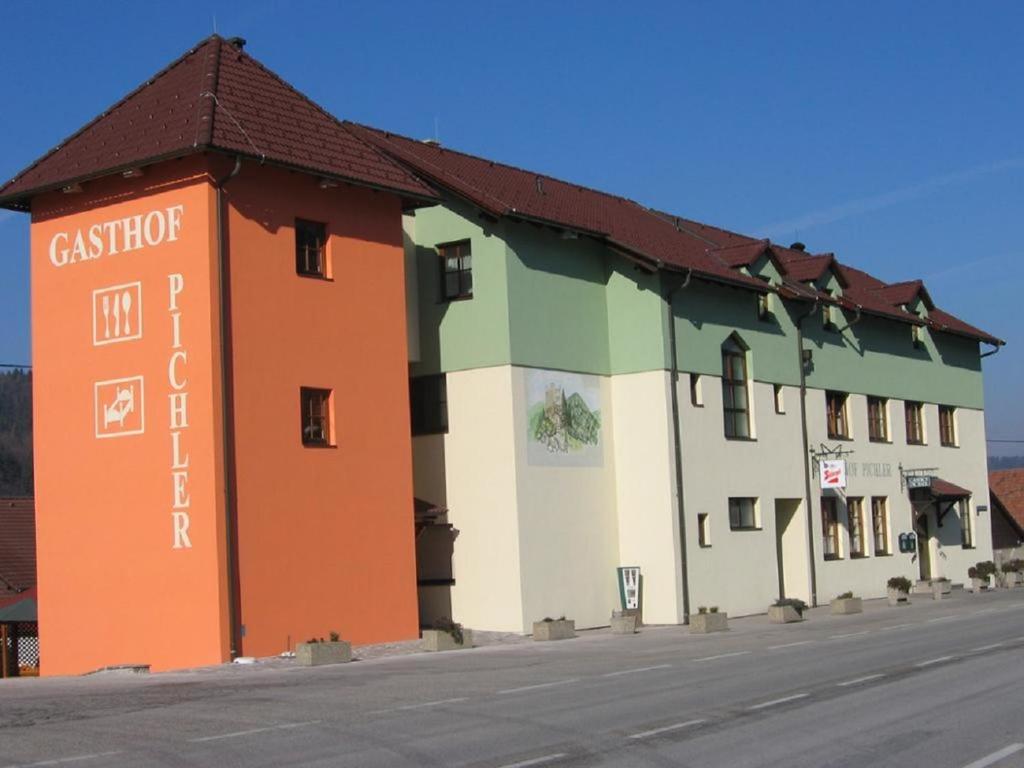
pixel 828 321
pixel 764 307
pixel 917 335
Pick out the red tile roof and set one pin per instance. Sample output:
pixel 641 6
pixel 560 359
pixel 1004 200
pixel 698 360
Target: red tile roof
pixel 17 545
pixel 214 98
pixel 503 190
pixel 1007 487
pixel 945 489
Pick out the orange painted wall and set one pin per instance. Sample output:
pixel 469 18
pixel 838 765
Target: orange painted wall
pixel 325 535
pixel 113 589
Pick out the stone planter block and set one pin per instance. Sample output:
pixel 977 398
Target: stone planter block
pixel 562 629
pixel 847 605
pixel 704 623
pixel 897 598
pixel 941 589
pixel 979 585
pixel 623 625
pixel 316 654
pixel 439 640
pixel 1012 579
pixel 783 614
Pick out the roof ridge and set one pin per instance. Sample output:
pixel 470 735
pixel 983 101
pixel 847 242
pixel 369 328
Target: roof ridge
pixel 208 115
pixel 442 148
pixel 66 140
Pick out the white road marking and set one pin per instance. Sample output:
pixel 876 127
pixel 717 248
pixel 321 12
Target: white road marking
pixel 995 757
pixel 638 669
pixel 988 647
pixel 536 761
pixel 790 645
pixel 942 618
pixel 434 703
pixel 849 634
pixel 858 680
pixel 539 686
pixel 783 700
pixel 251 731
pixel 666 729
pixel 723 656
pixel 933 661
pixel 66 760
pixel 896 626
pixel 984 610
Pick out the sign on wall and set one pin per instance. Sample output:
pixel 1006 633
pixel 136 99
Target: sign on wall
pixel 832 473
pixel 563 419
pixel 629 587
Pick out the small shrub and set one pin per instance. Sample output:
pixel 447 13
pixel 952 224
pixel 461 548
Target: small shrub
pixel 985 569
pixel 845 596
pixel 1013 566
pixel 335 637
pixel 702 609
pixel 444 624
pixel 899 583
pixel 713 609
pixel 972 573
pixel 798 605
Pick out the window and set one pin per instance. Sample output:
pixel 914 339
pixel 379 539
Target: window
pixel 428 401
pixel 878 419
pixel 880 525
pixel 917 336
pixel 947 425
pixel 310 245
pixel 316 416
pixel 456 270
pixel 780 403
pixel 734 391
pixel 855 516
pixel 743 514
pixel 704 529
pixel 828 321
pixel 764 307
pixel 696 395
pixel 966 524
pixel 915 423
pixel 829 528
pixel 838 424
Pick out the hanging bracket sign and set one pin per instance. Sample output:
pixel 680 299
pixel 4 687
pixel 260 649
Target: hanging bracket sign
pixel 832 473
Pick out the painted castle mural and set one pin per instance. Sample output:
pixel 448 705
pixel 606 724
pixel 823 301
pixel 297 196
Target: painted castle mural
pixel 563 419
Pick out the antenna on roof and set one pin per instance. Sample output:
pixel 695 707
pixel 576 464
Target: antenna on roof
pixel 215 23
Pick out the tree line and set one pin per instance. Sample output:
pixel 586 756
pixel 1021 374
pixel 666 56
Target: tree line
pixel 16 433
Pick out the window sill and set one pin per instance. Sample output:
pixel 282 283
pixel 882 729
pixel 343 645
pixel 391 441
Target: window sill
pixel 696 405
pixel 916 442
pixel 881 440
pixel 859 556
pixel 319 446
pixel 742 439
pixel 883 554
pixel 972 546
pixel 832 558
pixel 313 276
pixel 704 546
pixel 844 438
pixel 949 445
pixel 746 528
pixel 450 299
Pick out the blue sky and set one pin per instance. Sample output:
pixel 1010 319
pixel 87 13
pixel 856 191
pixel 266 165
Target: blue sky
pixel 889 133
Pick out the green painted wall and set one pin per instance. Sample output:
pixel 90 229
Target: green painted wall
pixel 474 333
pixel 547 302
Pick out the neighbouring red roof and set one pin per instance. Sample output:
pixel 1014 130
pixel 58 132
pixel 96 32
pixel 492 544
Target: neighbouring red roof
pixel 17 545
pixel 213 98
pixel 1007 488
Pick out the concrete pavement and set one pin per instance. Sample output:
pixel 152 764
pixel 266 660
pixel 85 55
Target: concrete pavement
pixel 936 684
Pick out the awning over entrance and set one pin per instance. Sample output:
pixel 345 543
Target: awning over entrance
pixel 19 608
pixel 943 489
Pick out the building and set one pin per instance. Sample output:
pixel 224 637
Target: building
pixel 558 335
pixel 1006 487
pixel 19 635
pixel 213 258
pixel 236 297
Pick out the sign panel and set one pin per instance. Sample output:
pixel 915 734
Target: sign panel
pixel 919 481
pixel 832 473
pixel 629 587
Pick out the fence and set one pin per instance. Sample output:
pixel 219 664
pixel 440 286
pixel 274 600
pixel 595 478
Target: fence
pixel 19 649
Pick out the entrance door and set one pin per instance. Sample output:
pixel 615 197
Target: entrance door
pixel 924 550
pixel 791 549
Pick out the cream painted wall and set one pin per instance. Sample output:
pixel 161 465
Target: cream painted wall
pixel 648 523
pixel 480 459
pixel 739 571
pixel 964 465
pixel 412 294
pixel 428 473
pixel 568 533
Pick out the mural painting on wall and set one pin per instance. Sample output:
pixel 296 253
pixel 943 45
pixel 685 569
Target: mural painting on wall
pixel 563 419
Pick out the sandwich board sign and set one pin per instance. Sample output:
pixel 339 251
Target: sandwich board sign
pixel 832 473
pixel 629 587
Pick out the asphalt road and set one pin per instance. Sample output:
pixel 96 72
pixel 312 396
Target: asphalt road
pixel 936 684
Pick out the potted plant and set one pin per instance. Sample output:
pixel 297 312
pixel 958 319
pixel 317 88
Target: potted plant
pixel 898 590
pixel 786 610
pixel 315 652
pixel 708 620
pixel 446 635
pixel 554 629
pixel 979 574
pixel 846 603
pixel 624 623
pixel 941 587
pixel 1012 573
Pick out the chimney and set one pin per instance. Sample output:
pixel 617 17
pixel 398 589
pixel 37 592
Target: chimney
pixel 238 43
pixel 798 246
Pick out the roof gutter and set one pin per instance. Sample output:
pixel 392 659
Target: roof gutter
pixel 677 440
pixel 994 350
pixel 805 457
pixel 227 416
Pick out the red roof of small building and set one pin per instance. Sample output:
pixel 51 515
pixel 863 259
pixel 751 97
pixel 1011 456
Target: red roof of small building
pixel 1007 488
pixel 17 545
pixel 213 98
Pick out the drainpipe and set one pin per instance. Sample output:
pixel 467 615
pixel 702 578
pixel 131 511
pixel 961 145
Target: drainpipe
pixel 227 412
pixel 995 348
pixel 807 448
pixel 676 440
